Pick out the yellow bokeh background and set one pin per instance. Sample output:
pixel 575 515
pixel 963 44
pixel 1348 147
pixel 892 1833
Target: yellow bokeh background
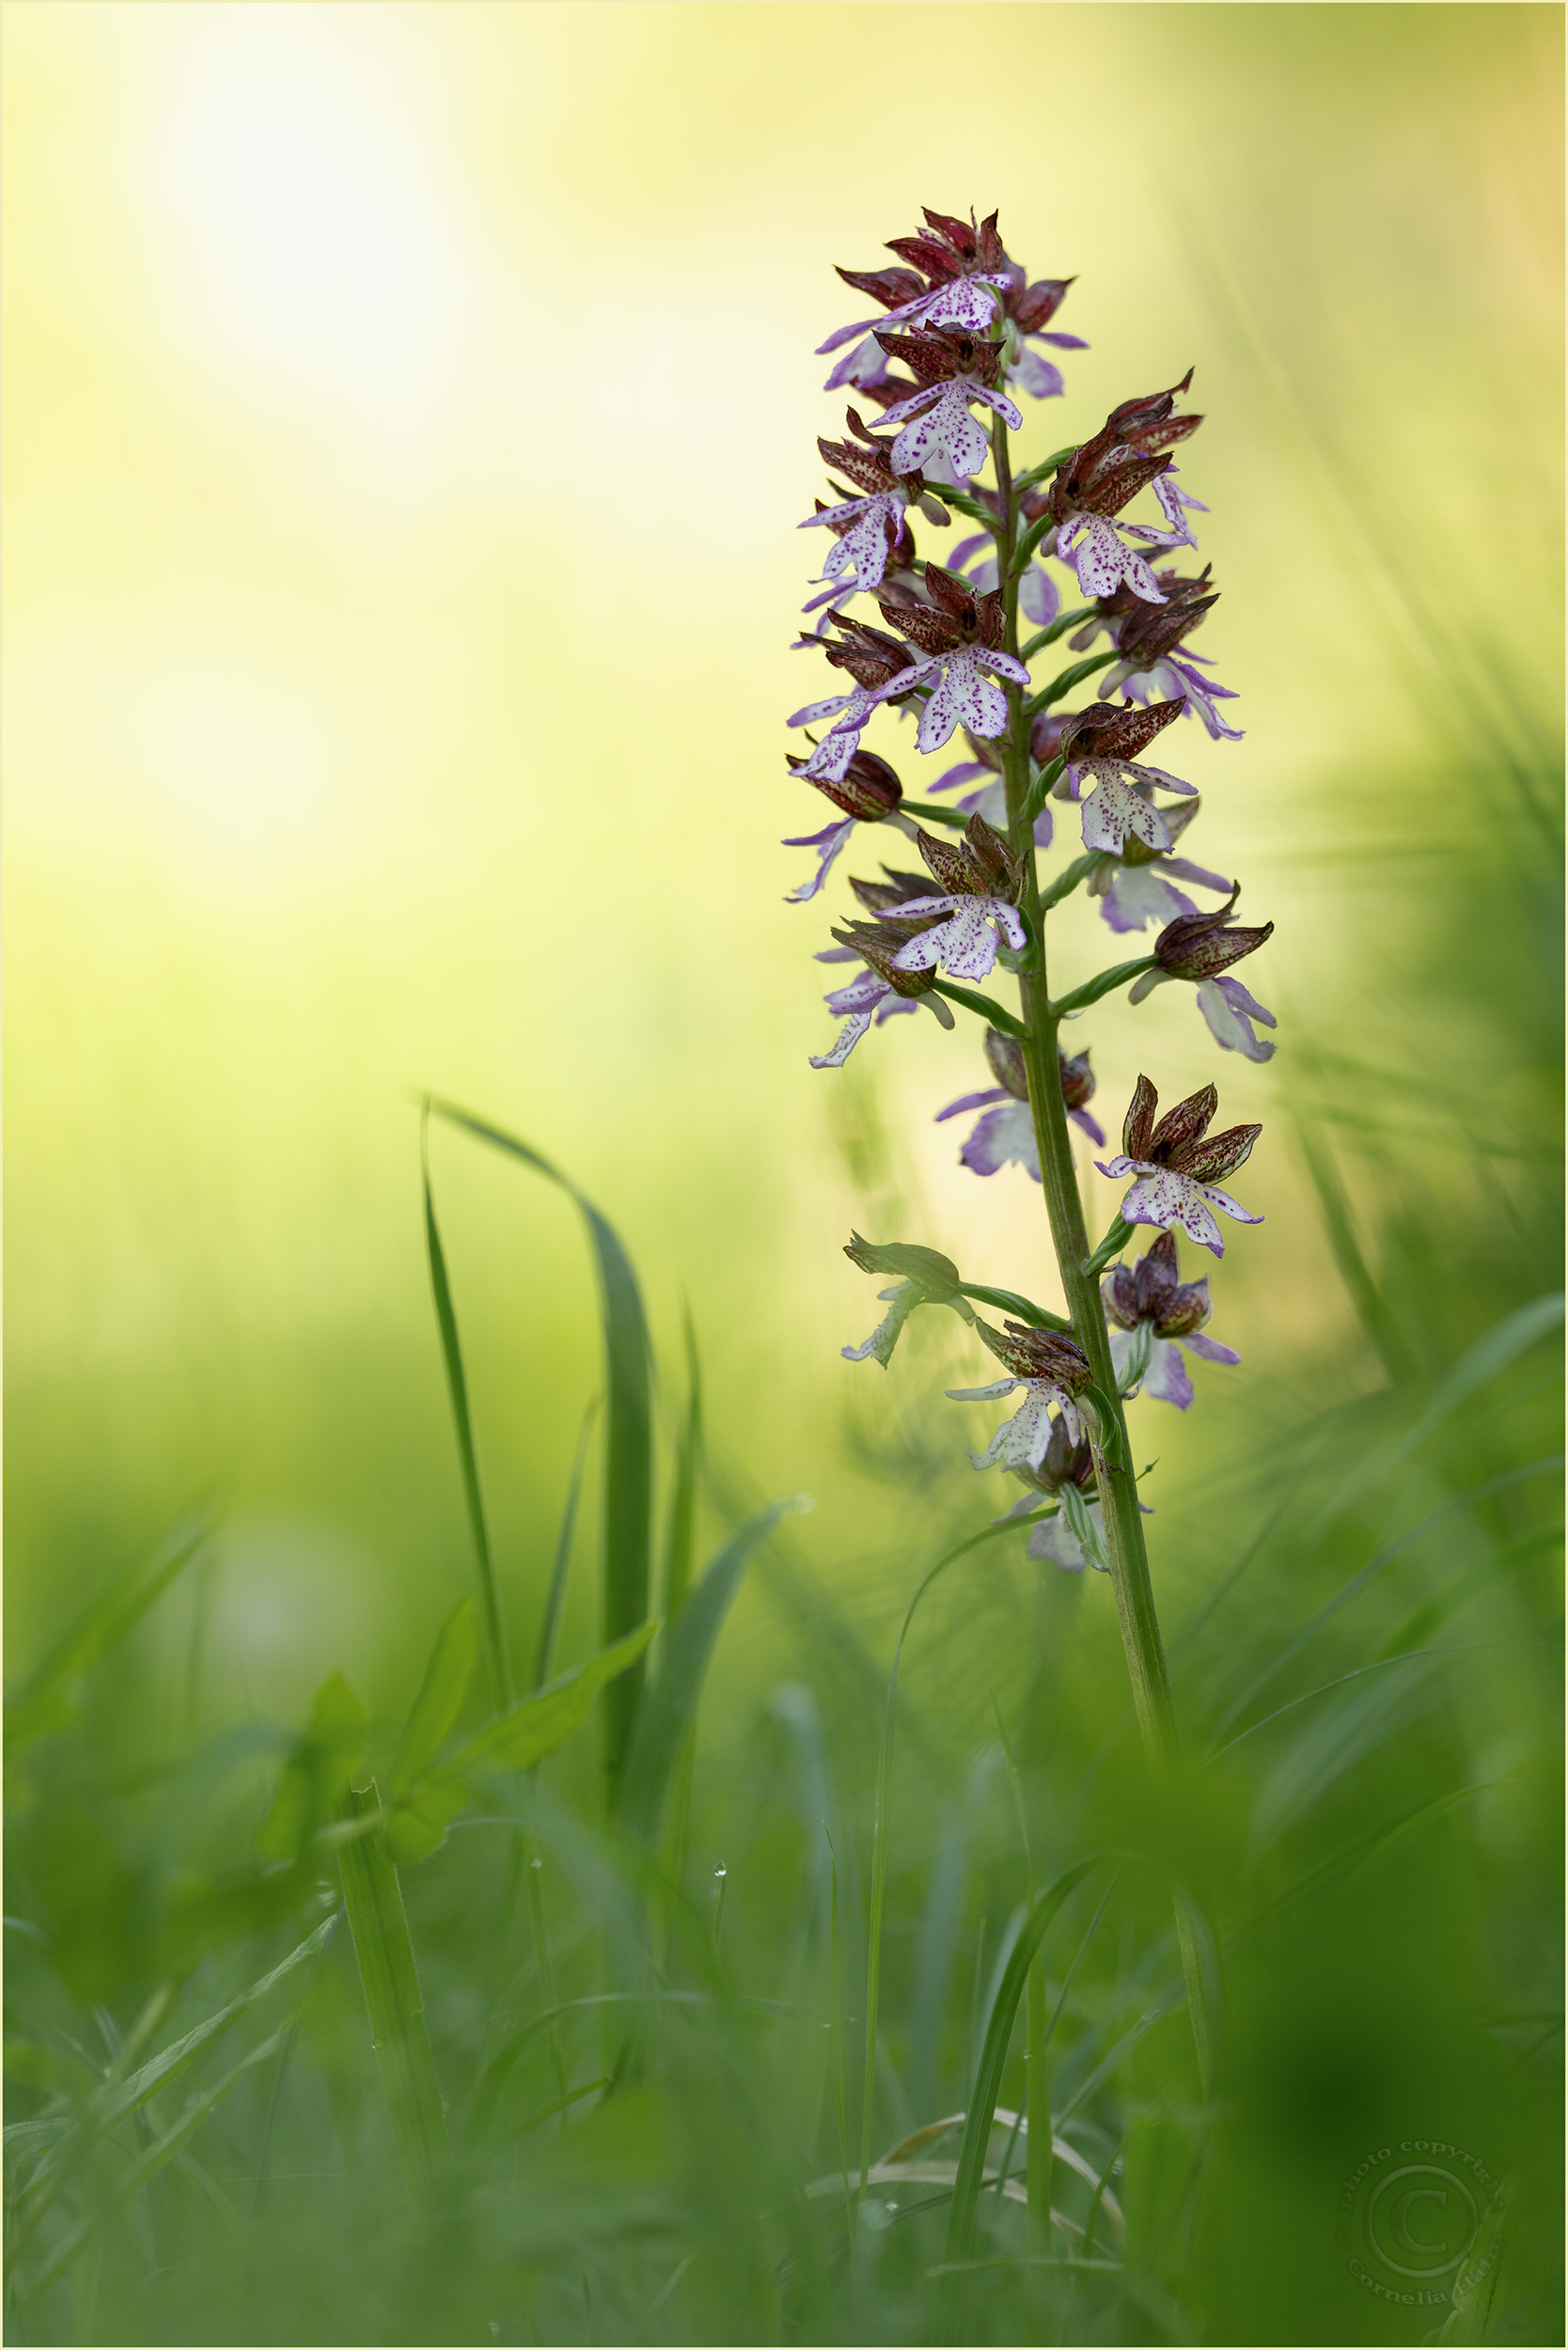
pixel 409 412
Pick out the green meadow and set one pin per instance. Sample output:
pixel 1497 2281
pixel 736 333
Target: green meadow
pixel 492 1854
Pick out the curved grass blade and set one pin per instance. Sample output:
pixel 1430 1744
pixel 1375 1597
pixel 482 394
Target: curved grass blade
pixel 629 1437
pixel 561 1566
pixel 682 1545
pixel 439 1701
pixel 879 1835
pixel 393 1998
pixel 669 1704
pixel 981 2111
pixel 457 1387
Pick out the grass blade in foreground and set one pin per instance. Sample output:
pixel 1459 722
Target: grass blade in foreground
pixel 393 1998
pixel 669 1705
pixel 628 1443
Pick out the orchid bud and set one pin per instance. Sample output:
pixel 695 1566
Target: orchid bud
pixel 878 943
pixel 1197 946
pixel 868 789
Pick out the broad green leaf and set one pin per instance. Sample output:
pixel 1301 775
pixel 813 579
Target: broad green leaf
pixel 439 1701
pixel 419 1823
pixel 1102 983
pixel 316 1774
pixel 670 1704
pixel 1064 682
pixel 537 1725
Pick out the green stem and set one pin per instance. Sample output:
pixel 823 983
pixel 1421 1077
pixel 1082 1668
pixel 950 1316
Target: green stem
pixel 1038 2150
pixel 1118 1487
pixel 393 1998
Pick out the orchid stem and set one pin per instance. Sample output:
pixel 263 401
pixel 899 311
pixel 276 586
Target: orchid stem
pixel 1118 1487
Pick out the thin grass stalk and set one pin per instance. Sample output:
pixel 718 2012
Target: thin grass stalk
pixel 1125 1552
pixel 393 1999
pixel 457 1389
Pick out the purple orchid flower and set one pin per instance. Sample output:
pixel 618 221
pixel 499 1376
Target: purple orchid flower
pixel 961 635
pixel 1176 1165
pixel 1152 1293
pixel 951 369
pixel 1099 742
pixel 1201 946
pixel 1005 1135
pixel 1051 1369
pixel 1135 886
pixel 868 792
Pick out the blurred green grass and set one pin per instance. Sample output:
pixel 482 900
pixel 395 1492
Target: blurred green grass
pixel 218 1295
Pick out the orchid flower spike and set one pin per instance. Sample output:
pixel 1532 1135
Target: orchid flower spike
pixel 1176 1165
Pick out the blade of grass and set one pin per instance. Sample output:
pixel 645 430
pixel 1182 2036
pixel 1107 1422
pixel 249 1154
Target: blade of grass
pixel 44 1703
pixel 393 2000
pixel 981 2110
pixel 681 1546
pixel 561 1565
pixel 628 1442
pixel 457 1389
pixel 669 1704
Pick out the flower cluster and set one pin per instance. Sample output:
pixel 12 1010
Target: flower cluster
pixel 958 338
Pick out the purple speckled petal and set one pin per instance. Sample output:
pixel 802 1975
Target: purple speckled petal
pixel 916 405
pixel 1223 1199
pixel 1002 1138
pixel 1004 664
pixel 939 717
pixel 982 1101
pixel 1115 1169
pixel 1210 1349
pixel 849 1037
pixel 998 403
pixel 1136 895
pixel 828 708
pixel 1039 598
pixel 1183 871
pixel 827 845
pixel 1036 375
pixel 1167 1378
pixel 966 772
pixel 1229 1024
pixel 840 336
pixel 1113 809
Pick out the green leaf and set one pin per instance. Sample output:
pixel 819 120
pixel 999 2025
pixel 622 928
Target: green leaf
pixel 439 1701
pixel 1027 543
pixel 1040 791
pixel 1076 1514
pixel 1130 1375
pixel 963 503
pixel 1013 1303
pixel 1053 463
pixel 537 1725
pixel 1104 983
pixel 315 1775
pixel 682 1545
pixel 1065 683
pixel 629 1437
pixel 47 1701
pixel 1059 626
pixel 973 1001
pixel 561 1565
pixel 670 1704
pixel 1069 879
pixel 417 1826
pixel 457 1387
pixel 1116 1240
pixel 981 2110
pixel 1110 1429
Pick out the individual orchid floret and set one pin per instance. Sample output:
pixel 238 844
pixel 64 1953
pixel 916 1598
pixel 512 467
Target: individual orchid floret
pixel 1005 1135
pixel 1130 450
pixel 1067 1477
pixel 880 989
pixel 1199 947
pixel 882 670
pixel 1152 1313
pixel 959 270
pixel 867 529
pixel 1156 657
pixel 925 1278
pixel 1136 887
pixel 1176 1166
pixel 869 791
pixel 1030 308
pixel 951 369
pixel 1102 742
pixel 961 635
pixel 981 881
pixel 1051 1369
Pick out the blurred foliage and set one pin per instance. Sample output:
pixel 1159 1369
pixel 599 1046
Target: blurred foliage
pixel 246 912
